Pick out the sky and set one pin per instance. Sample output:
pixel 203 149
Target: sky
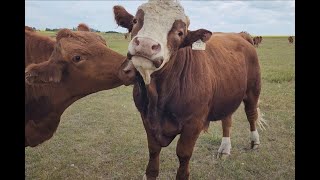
pixel 256 17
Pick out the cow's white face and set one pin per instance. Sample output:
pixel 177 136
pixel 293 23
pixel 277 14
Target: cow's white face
pixel 150 42
pixel 158 30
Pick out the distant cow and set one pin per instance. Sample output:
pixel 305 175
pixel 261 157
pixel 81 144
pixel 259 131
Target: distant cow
pixel 290 39
pixel 184 85
pixel 83 27
pixel 257 40
pixel 59 72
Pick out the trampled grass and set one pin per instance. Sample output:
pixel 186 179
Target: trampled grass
pixel 101 136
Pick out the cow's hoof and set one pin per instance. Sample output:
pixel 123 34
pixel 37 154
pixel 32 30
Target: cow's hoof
pixel 254 145
pixel 145 178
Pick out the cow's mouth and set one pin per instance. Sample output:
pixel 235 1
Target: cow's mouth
pixel 157 62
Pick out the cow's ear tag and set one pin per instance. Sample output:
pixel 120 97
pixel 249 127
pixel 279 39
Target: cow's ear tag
pixel 199 45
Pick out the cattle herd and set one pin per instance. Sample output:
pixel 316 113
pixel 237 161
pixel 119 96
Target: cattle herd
pixel 178 83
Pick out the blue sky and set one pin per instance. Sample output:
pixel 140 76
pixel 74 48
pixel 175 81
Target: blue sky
pixel 256 17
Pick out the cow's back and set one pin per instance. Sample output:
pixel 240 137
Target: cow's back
pixel 38 48
pixel 235 69
pixel 246 37
pixel 230 54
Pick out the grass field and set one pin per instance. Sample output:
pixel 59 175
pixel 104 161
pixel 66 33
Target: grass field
pixel 101 136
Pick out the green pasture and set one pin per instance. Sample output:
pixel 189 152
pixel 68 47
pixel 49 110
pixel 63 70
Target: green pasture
pixel 101 136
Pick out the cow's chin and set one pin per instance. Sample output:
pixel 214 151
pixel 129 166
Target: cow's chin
pixel 146 66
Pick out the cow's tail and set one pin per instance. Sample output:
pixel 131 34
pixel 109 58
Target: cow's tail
pixel 262 123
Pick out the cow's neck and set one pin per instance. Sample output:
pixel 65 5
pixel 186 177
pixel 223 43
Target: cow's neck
pixel 167 85
pixel 57 98
pixel 176 75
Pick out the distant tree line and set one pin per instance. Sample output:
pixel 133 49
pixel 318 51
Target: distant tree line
pixel 112 32
pixel 75 29
pixel 48 29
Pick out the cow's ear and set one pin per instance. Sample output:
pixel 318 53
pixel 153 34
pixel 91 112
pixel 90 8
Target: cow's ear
pixel 122 17
pixel 83 27
pixel 64 33
pixel 193 36
pixel 46 72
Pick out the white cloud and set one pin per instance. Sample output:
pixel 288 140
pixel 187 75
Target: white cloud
pixel 256 17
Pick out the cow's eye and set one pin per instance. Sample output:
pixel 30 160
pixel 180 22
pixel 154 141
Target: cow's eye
pixel 76 58
pixel 134 21
pixel 180 33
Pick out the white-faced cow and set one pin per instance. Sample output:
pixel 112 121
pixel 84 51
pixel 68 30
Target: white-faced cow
pixel 184 83
pixel 59 72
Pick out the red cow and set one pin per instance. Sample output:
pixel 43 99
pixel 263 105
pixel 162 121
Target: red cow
pixel 59 72
pixel 185 84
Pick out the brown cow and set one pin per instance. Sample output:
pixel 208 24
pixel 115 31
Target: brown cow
pixel 290 39
pixel 74 65
pixel 256 41
pixel 184 85
pixel 83 27
pixel 28 28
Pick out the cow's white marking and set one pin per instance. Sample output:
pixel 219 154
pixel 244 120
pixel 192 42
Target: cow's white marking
pixel 159 16
pixel 225 146
pixel 199 45
pixel 254 136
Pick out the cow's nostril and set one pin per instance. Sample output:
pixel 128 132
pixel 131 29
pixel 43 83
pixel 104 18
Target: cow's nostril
pixel 136 41
pixel 155 47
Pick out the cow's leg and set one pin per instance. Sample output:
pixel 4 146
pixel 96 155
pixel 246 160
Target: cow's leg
pixel 152 170
pixel 185 145
pixel 225 147
pixel 253 115
pixel 154 147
